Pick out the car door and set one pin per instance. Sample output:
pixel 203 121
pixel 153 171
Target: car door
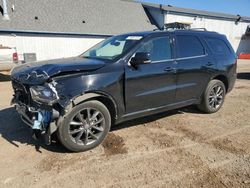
pixel 192 67
pixel 151 85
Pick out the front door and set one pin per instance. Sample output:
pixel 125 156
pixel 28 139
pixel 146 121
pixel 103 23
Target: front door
pixel 151 85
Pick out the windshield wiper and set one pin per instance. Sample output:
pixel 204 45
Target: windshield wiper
pixel 87 57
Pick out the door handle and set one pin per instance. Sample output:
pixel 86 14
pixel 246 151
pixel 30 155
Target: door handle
pixel 170 69
pixel 209 64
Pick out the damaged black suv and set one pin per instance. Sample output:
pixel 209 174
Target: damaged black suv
pixel 122 78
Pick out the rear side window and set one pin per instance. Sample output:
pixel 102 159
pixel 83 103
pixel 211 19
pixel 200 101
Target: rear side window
pixel 218 46
pixel 189 46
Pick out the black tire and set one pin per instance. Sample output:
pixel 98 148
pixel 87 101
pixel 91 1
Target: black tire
pixel 70 124
pixel 212 103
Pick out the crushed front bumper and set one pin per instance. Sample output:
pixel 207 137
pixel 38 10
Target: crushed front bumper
pixel 27 115
pixel 42 121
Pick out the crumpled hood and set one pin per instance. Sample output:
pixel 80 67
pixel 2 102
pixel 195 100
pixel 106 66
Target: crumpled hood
pixel 39 72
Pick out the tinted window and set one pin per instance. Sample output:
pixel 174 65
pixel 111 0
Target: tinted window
pixel 218 46
pixel 158 48
pixel 189 46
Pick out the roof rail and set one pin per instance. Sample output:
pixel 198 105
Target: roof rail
pixel 203 29
pixel 178 26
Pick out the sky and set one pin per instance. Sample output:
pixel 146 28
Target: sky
pixel 241 7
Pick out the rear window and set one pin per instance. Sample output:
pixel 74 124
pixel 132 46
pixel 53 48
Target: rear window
pixel 218 46
pixel 189 46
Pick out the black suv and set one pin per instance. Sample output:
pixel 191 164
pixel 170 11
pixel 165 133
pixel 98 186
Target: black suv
pixel 122 78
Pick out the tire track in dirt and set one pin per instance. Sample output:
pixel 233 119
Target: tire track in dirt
pixel 209 177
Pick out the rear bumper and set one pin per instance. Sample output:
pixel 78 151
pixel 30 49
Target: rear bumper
pixel 231 82
pixel 7 66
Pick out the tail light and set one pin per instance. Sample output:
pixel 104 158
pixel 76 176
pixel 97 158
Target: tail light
pixel 244 56
pixel 15 57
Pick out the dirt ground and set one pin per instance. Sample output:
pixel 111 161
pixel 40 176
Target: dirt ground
pixel 180 148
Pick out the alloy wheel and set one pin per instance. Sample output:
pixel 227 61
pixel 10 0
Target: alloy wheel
pixel 87 126
pixel 216 97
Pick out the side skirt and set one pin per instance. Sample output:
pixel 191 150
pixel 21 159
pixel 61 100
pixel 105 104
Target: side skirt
pixel 160 109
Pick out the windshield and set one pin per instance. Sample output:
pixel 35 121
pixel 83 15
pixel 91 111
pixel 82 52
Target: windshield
pixel 112 47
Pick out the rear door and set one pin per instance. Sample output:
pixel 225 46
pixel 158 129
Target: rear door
pixel 151 85
pixel 225 57
pixel 193 63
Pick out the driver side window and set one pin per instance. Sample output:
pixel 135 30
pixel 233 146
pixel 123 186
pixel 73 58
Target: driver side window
pixel 158 48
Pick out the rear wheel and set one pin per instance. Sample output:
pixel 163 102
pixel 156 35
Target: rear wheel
pixel 213 97
pixel 85 127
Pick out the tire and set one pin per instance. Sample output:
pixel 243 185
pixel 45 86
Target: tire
pixel 213 97
pixel 90 118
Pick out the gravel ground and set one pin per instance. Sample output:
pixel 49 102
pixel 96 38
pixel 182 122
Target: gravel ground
pixel 180 148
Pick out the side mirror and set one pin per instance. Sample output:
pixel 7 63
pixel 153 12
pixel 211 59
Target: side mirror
pixel 140 58
pixel 115 43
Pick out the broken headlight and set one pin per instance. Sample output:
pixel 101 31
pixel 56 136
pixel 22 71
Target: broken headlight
pixel 44 94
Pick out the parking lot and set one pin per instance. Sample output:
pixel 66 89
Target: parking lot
pixel 180 148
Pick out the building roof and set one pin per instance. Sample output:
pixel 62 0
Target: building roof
pixel 193 12
pixel 106 17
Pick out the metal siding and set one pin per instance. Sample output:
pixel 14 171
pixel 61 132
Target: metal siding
pixel 47 47
pixel 233 32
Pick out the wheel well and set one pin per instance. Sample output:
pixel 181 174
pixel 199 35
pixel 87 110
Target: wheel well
pixel 110 106
pixel 223 79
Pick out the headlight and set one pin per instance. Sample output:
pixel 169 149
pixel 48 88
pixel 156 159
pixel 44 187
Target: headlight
pixel 44 94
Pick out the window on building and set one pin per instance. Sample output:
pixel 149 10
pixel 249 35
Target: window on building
pixel 189 46
pixel 218 46
pixel 158 48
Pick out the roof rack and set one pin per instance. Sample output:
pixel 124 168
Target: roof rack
pixel 179 26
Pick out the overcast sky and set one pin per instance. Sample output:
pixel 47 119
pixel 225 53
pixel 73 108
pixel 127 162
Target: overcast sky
pixel 241 7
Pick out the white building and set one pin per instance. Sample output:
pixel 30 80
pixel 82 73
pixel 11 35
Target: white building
pixel 233 26
pixel 63 28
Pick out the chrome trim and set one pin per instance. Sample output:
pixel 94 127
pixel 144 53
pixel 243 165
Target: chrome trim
pixel 191 57
pixel 162 61
pixel 169 60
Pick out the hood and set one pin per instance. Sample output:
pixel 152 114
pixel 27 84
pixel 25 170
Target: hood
pixel 39 72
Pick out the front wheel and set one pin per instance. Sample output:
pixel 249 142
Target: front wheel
pixel 85 126
pixel 213 97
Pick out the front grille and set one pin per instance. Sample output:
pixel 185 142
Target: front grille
pixel 21 92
